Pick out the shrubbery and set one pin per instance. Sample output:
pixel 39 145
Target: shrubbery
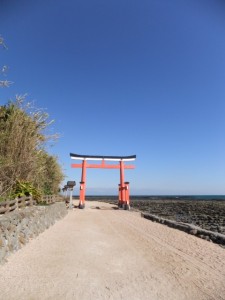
pixel 25 165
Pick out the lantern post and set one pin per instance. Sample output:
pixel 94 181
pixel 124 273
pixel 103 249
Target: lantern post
pixel 71 185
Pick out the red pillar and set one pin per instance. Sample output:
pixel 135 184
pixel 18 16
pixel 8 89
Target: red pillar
pixel 119 193
pixel 83 185
pixel 122 187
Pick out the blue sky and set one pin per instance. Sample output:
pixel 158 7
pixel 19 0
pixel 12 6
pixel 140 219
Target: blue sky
pixel 126 77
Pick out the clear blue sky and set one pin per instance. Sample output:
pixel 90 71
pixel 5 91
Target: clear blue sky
pixel 126 77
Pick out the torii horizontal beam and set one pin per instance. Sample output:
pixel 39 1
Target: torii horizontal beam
pixel 101 157
pixel 103 165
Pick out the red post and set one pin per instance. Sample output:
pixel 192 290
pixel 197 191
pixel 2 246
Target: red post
pixel 83 185
pixel 119 192
pixel 119 196
pixel 122 187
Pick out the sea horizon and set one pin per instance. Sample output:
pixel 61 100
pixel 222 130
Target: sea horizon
pixel 158 197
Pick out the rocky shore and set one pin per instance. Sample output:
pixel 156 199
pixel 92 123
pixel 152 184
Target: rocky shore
pixel 209 215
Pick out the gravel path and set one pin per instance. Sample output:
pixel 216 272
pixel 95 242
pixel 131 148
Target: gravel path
pixel 104 253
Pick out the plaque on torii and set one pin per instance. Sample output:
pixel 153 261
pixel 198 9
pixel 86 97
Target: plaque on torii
pixel 124 196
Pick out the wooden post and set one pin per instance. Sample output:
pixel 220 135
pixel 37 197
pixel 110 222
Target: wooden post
pixel 7 206
pixel 127 195
pixel 16 204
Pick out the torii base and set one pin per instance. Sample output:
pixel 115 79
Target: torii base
pixel 124 196
pixel 81 206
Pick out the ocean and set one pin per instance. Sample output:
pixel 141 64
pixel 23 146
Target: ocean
pixel 158 197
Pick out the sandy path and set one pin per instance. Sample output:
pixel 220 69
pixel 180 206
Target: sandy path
pixel 113 254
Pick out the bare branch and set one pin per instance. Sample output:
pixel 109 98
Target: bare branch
pixel 4 70
pixel 5 83
pixel 2 43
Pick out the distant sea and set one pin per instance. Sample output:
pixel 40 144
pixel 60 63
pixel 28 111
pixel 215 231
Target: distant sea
pixel 158 197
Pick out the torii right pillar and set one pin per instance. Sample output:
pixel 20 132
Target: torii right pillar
pixel 124 194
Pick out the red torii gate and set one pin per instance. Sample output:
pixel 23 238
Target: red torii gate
pixel 124 197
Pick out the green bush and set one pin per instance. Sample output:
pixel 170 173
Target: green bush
pixel 25 188
pixel 26 167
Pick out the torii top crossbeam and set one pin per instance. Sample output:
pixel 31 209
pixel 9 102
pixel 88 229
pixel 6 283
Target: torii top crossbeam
pixel 102 157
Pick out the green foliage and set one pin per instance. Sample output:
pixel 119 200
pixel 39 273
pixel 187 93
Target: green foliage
pixel 24 163
pixel 52 174
pixel 43 203
pixel 25 188
pixel 2 199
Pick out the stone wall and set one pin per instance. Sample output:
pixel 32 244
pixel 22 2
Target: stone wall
pixel 189 228
pixel 18 227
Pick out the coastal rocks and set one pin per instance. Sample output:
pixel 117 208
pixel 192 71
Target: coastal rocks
pixel 18 227
pixel 208 215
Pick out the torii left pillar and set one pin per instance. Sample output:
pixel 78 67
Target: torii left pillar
pixel 83 185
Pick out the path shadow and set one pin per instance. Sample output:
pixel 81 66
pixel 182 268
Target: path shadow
pixel 104 207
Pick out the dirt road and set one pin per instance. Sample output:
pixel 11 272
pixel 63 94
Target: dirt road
pixel 104 253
